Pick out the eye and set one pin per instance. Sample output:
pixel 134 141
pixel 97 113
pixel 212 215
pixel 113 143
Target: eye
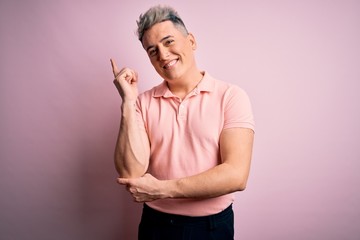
pixel 152 52
pixel 168 42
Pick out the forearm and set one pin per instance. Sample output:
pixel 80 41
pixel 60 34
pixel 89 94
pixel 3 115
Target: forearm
pixel 132 148
pixel 230 176
pixel 218 181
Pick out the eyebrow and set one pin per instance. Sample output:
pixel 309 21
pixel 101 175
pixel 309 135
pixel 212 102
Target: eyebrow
pixel 161 40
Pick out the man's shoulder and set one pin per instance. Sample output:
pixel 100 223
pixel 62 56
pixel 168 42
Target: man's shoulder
pixel 222 85
pixel 153 91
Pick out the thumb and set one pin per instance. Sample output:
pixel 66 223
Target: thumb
pixel 123 181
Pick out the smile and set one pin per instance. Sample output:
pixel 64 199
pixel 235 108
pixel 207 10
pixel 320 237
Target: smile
pixel 170 64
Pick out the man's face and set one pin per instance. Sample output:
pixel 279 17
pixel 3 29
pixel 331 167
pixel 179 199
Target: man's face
pixel 171 52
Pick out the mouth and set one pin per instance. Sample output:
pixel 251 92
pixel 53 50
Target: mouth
pixel 170 64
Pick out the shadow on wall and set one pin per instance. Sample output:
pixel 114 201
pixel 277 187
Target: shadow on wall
pixel 107 210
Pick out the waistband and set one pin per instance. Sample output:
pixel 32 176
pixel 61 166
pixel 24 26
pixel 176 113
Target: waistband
pixel 155 216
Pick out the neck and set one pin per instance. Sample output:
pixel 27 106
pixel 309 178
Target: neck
pixel 182 87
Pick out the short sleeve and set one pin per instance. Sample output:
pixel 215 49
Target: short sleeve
pixel 238 110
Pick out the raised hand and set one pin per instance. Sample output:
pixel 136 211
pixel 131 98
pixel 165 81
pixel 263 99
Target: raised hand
pixel 125 81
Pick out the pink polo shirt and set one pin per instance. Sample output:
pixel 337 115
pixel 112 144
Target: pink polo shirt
pixel 184 136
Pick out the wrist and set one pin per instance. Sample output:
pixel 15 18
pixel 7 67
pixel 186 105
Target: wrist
pixel 128 105
pixel 171 189
pixel 130 102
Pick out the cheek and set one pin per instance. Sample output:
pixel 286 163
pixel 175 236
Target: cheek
pixel 188 54
pixel 156 66
pixel 187 50
pixel 154 62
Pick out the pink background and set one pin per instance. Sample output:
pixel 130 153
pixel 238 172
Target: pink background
pixel 298 60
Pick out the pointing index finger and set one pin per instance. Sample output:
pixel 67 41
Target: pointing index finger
pixel 114 67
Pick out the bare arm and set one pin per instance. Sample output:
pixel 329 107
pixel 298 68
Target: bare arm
pixel 132 149
pixel 229 176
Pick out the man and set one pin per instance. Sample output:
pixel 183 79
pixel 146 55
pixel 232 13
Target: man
pixel 185 145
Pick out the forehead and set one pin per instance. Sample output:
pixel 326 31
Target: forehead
pixel 158 31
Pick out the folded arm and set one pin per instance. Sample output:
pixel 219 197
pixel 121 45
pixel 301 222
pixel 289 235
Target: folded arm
pixel 229 176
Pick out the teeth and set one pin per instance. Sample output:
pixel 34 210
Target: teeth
pixel 170 64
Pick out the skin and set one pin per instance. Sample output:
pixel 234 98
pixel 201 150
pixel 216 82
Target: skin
pixel 171 52
pixel 165 45
pixel 132 148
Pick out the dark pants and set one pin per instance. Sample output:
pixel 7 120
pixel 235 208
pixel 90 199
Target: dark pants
pixel 156 225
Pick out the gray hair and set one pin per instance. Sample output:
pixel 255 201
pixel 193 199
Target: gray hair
pixel 159 14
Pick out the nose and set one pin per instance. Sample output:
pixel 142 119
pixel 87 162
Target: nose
pixel 163 53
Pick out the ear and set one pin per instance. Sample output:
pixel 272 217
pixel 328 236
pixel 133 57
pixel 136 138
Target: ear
pixel 192 41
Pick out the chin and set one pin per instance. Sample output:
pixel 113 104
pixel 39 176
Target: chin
pixel 168 77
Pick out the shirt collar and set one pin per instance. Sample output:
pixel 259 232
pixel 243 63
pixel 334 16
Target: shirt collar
pixel 206 84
